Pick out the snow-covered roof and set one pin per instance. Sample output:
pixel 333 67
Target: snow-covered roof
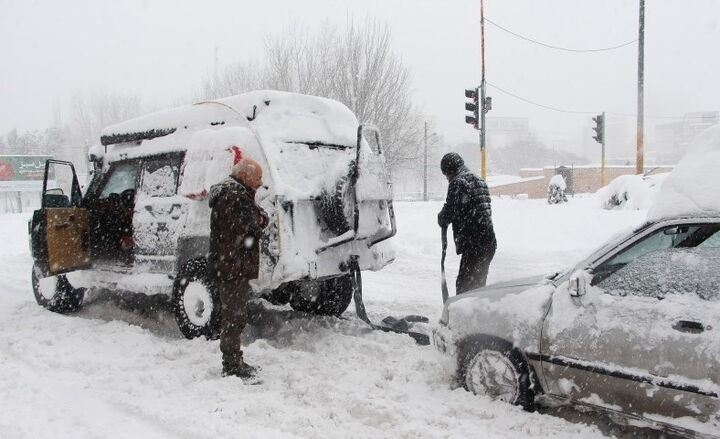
pixel 692 188
pixel 290 117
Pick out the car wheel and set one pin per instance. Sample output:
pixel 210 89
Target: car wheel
pixel 196 302
pixel 55 293
pixel 495 369
pixel 330 297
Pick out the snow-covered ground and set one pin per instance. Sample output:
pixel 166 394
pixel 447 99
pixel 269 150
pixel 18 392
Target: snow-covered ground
pixel 121 369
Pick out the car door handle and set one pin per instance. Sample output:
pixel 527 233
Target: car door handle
pixel 689 326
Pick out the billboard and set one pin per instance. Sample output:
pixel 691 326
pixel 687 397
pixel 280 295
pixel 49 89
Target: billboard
pixel 22 173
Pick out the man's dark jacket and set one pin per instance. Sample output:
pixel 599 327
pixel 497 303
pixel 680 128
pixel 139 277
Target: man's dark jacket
pixel 236 225
pixel 467 207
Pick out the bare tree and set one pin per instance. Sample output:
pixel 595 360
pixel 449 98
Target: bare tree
pixel 236 79
pixel 90 112
pixel 355 66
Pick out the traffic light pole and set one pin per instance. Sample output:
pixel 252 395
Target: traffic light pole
pixel 602 157
pixel 483 153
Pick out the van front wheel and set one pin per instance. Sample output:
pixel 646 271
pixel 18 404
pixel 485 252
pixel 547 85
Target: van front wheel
pixel 56 293
pixel 196 302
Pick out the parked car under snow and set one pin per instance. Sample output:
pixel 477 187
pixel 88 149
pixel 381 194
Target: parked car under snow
pixel 631 192
pixel 143 224
pixel 634 329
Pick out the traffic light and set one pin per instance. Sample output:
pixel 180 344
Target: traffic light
pixel 599 128
pixel 472 107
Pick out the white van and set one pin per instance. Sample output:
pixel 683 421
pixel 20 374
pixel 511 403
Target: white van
pixel 142 225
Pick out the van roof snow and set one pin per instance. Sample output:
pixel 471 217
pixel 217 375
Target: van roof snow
pixel 287 116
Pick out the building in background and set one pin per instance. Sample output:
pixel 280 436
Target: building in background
pixel 673 139
pixel 533 182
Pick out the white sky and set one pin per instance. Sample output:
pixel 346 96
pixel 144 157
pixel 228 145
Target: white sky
pixel 161 50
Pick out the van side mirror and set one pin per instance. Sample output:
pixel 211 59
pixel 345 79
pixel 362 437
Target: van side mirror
pixel 577 286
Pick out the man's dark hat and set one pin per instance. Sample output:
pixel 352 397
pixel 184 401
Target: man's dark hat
pixel 451 163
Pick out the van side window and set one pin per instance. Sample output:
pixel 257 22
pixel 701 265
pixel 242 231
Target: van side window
pixel 160 176
pixel 123 177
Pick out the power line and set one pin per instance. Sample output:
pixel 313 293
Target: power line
pixel 538 104
pixel 560 110
pixel 566 49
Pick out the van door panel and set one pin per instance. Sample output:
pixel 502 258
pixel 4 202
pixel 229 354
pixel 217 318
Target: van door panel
pixel 59 229
pixel 67 239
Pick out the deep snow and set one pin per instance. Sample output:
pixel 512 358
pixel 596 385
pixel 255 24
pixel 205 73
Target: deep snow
pixel 121 368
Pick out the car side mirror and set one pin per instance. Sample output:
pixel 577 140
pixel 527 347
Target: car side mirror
pixel 577 286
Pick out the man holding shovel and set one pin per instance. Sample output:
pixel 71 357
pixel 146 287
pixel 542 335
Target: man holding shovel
pixel 467 208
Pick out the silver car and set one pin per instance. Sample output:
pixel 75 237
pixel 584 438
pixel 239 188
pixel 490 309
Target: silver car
pixel 633 330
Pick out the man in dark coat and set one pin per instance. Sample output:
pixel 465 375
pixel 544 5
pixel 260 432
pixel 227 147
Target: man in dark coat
pixel 467 208
pixel 236 225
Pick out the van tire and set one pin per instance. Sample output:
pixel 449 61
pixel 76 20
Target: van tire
pixel 196 301
pixel 65 299
pixel 333 298
pixel 334 207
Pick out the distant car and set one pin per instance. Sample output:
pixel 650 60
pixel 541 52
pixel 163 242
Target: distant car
pixel 634 330
pixel 631 192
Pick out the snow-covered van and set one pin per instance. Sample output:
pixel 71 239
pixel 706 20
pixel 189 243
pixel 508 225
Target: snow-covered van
pixel 142 225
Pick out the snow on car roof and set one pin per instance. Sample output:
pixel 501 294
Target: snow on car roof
pixel 692 187
pixel 286 117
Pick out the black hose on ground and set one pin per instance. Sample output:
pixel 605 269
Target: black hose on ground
pixel 399 326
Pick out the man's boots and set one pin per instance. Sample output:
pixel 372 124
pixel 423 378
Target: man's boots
pixel 239 369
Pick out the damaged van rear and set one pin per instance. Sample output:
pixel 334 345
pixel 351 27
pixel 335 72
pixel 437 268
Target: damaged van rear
pixel 143 224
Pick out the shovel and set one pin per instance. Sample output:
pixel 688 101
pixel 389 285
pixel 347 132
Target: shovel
pixel 443 281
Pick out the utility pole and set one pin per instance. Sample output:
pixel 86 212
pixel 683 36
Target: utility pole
pixel 425 192
pixel 639 168
pixel 483 153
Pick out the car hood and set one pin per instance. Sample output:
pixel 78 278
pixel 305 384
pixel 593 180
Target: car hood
pixel 521 282
pixel 497 290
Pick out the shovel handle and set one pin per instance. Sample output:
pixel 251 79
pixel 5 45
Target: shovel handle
pixel 443 281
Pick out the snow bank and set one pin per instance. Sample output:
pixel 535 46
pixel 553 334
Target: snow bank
pixel 110 372
pixel 631 192
pixel 693 186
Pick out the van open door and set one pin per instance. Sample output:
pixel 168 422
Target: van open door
pixel 59 230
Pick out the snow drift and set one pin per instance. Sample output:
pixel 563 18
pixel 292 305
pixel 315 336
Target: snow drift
pixel 693 186
pixel 631 192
